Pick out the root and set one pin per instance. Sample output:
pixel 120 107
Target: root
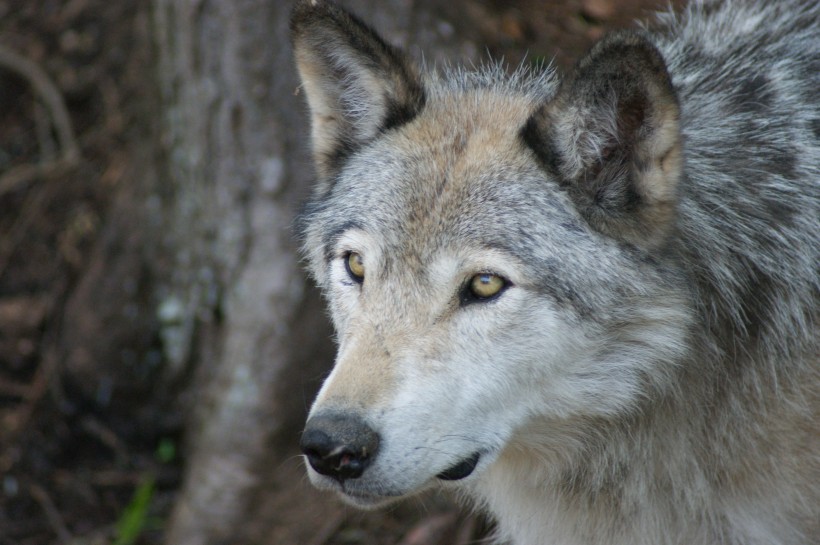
pixel 50 95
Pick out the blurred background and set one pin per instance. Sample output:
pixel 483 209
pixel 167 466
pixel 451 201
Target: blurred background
pixel 159 342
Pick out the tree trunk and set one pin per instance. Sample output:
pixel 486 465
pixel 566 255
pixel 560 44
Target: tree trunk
pixel 236 307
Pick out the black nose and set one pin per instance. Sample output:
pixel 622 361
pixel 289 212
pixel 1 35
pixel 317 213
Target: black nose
pixel 339 445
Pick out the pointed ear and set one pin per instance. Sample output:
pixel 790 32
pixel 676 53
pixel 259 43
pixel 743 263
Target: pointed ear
pixel 356 84
pixel 611 135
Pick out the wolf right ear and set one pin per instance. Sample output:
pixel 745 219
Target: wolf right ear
pixel 356 84
pixel 611 136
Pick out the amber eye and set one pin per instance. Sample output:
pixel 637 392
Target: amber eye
pixel 486 285
pixel 355 266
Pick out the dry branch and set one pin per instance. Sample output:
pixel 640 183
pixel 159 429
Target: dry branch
pixel 50 95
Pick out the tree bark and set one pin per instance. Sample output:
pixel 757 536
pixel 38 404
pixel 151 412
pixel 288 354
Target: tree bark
pixel 236 306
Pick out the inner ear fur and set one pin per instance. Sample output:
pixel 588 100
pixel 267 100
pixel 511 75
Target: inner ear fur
pixel 611 135
pixel 356 84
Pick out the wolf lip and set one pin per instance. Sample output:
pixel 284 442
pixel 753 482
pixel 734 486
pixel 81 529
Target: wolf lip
pixel 461 469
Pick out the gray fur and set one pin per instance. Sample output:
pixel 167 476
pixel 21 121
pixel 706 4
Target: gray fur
pixel 691 411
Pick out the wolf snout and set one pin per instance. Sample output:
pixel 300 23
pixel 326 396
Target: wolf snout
pixel 338 445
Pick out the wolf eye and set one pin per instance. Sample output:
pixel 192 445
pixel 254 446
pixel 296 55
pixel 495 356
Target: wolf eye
pixel 483 287
pixel 354 263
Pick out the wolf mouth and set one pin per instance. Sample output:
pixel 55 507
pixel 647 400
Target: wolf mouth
pixel 460 470
pixel 366 499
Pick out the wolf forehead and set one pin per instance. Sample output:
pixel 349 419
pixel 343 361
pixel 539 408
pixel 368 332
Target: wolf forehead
pixel 460 158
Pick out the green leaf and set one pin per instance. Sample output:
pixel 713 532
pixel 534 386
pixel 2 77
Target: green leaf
pixel 166 450
pixel 132 521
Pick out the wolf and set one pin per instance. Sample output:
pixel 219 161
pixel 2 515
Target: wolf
pixel 586 303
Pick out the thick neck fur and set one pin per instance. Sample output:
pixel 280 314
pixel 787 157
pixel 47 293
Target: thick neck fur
pixel 670 475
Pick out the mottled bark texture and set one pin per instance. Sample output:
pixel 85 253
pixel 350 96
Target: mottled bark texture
pixel 236 308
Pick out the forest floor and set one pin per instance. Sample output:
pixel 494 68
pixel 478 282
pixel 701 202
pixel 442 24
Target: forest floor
pixel 102 465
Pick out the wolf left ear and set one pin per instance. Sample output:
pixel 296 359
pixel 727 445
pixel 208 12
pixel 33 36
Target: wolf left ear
pixel 611 135
pixel 356 84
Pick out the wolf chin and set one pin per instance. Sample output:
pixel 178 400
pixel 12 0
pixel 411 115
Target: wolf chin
pixel 587 303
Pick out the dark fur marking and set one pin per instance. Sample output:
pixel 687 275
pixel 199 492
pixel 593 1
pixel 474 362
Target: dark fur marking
pixel 549 274
pixel 540 144
pixel 401 114
pixel 306 214
pixel 341 152
pixel 766 154
pixel 815 127
pixel 785 162
pixel 754 96
pixel 329 240
pixel 780 210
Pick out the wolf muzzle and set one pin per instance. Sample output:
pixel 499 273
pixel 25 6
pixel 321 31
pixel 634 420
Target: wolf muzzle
pixel 338 445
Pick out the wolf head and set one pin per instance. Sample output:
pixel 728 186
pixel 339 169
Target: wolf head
pixel 492 250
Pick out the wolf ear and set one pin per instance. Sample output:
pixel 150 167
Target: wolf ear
pixel 611 135
pixel 356 84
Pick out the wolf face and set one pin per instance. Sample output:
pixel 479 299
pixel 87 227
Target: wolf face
pixel 564 297
pixel 464 279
